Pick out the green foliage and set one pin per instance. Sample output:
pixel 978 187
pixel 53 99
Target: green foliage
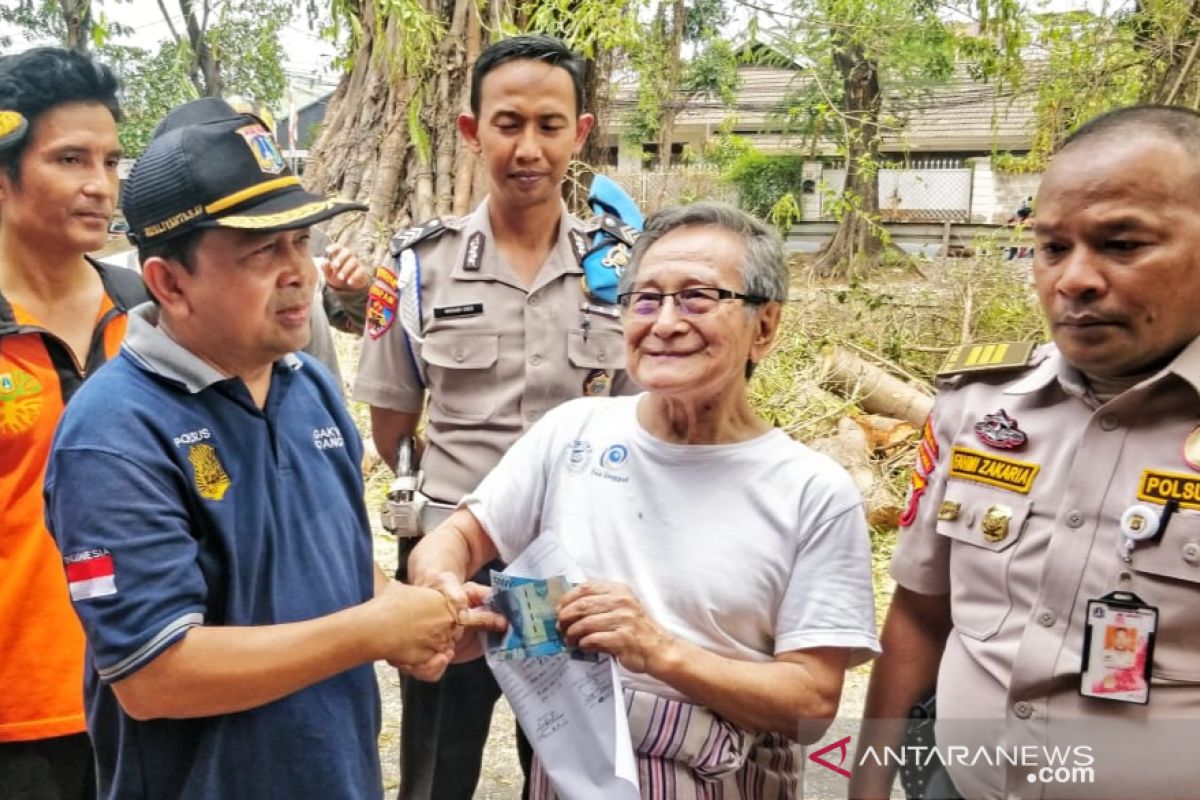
pixel 42 20
pixel 587 26
pixel 763 181
pixel 727 147
pixel 244 37
pixel 667 80
pixel 246 41
pixel 416 131
pixel 785 213
pixel 421 32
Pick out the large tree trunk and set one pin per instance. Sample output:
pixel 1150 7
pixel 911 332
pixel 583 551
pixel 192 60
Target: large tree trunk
pixel 669 106
pixel 206 74
pixel 77 16
pixel 857 243
pixel 390 138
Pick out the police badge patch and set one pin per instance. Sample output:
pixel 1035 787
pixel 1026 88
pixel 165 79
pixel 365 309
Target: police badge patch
pixel 382 302
pixel 1000 430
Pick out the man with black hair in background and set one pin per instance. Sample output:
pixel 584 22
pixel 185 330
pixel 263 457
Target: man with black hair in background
pixel 62 315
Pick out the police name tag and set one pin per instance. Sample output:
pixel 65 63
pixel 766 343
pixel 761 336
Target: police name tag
pixel 1118 648
pixel 464 310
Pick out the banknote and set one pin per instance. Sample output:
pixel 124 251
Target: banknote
pixel 531 607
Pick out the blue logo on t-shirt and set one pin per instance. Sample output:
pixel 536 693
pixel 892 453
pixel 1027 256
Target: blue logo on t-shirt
pixel 615 456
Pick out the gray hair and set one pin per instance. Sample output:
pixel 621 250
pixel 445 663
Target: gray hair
pixel 764 270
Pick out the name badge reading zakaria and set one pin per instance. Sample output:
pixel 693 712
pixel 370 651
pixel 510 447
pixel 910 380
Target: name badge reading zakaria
pixel 992 469
pixel 1118 649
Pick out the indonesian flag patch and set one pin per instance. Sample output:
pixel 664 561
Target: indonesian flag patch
pixel 90 574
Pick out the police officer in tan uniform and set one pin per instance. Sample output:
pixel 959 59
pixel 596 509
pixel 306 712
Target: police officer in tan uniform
pixel 1048 564
pixel 489 318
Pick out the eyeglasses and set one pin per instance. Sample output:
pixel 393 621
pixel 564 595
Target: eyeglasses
pixel 691 302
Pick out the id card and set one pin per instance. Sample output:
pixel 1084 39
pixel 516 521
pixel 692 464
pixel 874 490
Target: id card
pixel 1118 648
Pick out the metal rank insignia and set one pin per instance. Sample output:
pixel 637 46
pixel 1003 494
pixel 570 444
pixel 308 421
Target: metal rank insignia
pixel 474 255
pixel 1000 430
pixel 949 510
pixel 1191 448
pixel 995 523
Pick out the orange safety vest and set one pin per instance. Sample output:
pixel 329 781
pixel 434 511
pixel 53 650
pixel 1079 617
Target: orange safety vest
pixel 41 641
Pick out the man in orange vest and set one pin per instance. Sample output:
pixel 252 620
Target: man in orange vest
pixel 62 315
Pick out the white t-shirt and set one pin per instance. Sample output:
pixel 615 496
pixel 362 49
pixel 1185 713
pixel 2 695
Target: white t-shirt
pixel 746 550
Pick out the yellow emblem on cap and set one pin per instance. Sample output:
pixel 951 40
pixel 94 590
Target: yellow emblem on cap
pixel 10 121
pixel 212 481
pixel 987 357
pixel 995 523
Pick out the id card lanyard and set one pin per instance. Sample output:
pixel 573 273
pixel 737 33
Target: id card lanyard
pixel 1119 630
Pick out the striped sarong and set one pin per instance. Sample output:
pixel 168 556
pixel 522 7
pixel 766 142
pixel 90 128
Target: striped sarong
pixel 686 752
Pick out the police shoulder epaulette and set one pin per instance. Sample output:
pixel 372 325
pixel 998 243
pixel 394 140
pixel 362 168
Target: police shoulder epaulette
pixel 613 226
pixel 416 234
pixel 993 357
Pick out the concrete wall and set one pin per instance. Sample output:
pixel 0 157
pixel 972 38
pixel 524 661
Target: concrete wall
pixel 996 195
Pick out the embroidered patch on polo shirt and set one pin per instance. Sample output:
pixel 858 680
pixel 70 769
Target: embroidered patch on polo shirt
pixel 90 574
pixel 989 468
pixel 212 481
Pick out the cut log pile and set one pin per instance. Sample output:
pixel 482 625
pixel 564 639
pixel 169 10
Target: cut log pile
pixel 875 445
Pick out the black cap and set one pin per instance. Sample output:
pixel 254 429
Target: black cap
pixel 210 167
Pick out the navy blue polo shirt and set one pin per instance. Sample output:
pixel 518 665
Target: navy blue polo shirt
pixel 176 502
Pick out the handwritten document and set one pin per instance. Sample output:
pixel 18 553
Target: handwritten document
pixel 571 708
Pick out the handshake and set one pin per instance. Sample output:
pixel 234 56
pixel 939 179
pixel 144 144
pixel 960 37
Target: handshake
pixel 420 629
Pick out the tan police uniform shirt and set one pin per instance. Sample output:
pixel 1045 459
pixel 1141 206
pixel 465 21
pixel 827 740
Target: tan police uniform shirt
pixel 496 354
pixel 1019 593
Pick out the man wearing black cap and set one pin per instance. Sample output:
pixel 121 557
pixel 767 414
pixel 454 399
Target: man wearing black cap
pixel 213 532
pixel 62 315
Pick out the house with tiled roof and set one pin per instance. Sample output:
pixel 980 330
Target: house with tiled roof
pixel 939 137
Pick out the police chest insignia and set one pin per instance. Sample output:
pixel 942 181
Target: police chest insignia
pixel 20 402
pixel 462 310
pixel 412 236
pixel 1000 430
pixel 987 357
pixel 597 383
pixel 266 153
pixel 1191 448
pixel 212 481
pixel 382 301
pixel 1159 486
pixel 980 467
pixel 474 256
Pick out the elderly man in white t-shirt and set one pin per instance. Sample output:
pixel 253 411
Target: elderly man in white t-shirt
pixel 729 566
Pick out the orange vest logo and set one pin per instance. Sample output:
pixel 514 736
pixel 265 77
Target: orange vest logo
pixel 20 402
pixel 212 481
